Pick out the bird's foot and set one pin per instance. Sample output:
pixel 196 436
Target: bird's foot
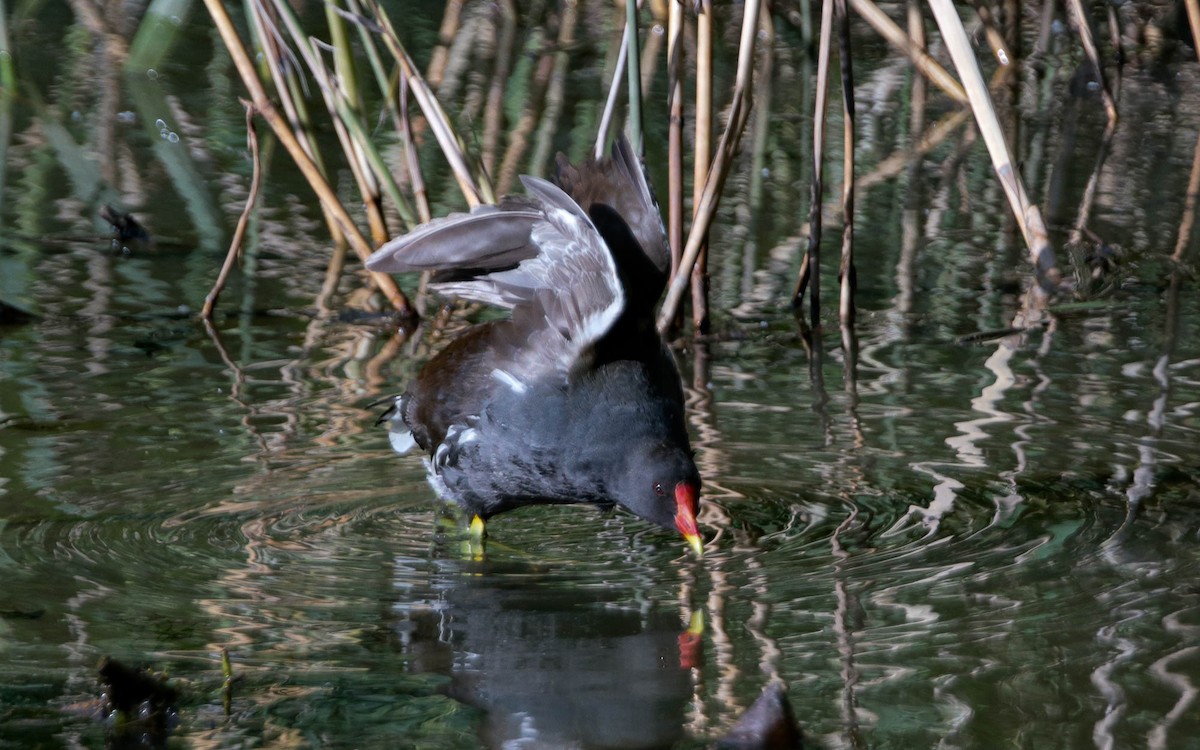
pixel 473 545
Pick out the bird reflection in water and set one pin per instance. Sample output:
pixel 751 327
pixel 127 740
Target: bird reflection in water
pixel 553 664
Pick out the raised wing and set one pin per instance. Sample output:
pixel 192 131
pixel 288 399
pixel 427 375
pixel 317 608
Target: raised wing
pixel 544 260
pixel 488 238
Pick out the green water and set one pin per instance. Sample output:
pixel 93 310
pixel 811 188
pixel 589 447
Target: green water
pixel 979 545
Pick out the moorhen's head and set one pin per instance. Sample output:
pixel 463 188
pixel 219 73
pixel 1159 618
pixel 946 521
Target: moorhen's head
pixel 662 485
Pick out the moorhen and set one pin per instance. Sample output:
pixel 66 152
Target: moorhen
pixel 574 398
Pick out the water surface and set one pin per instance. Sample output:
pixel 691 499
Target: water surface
pixel 986 541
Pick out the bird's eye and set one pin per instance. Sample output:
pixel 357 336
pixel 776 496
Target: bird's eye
pixel 658 490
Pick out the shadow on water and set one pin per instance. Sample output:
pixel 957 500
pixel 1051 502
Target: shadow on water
pixel 988 537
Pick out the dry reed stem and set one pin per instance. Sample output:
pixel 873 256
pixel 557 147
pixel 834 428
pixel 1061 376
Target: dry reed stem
pixel 416 177
pixel 441 52
pixel 675 132
pixel 341 117
pixel 846 272
pixel 1193 15
pixel 493 113
pixel 1083 217
pixel 894 35
pixel 473 192
pixel 287 86
pixel 1029 218
pixel 1084 24
pixel 518 137
pixel 387 85
pixel 316 180
pixel 738 114
pixel 702 156
pixel 810 265
pixel 1189 207
pixel 995 38
pixel 556 88
pixel 610 103
pixel 239 232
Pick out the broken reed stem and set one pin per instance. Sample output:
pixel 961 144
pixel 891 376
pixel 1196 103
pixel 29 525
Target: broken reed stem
pixel 1084 24
pixel 738 114
pixel 316 180
pixel 675 132
pixel 1029 218
pixel 846 272
pixel 239 232
pixel 994 36
pixel 895 36
pixel 702 157
pixel 810 266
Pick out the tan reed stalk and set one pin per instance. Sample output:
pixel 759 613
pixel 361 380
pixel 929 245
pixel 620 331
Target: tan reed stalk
pixel 493 114
pixel 1193 16
pixel 1029 218
pixel 1084 24
pixel 365 162
pixel 810 266
pixel 846 271
pixel 567 20
pixel 675 131
pixel 519 135
pixel 264 106
pixel 415 176
pixel 610 103
pixel 239 232
pixel 287 84
pixel 702 156
pixel 388 84
pixel 995 38
pixel 738 114
pixel 895 36
pixel 1189 207
pixel 475 192
pixel 441 53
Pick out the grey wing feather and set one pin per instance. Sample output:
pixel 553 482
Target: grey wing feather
pixel 545 261
pixel 488 237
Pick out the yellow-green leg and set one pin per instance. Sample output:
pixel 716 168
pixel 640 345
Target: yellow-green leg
pixel 473 545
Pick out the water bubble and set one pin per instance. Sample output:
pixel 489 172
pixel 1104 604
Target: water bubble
pixel 152 74
pixel 160 124
pixel 172 137
pixel 1002 56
